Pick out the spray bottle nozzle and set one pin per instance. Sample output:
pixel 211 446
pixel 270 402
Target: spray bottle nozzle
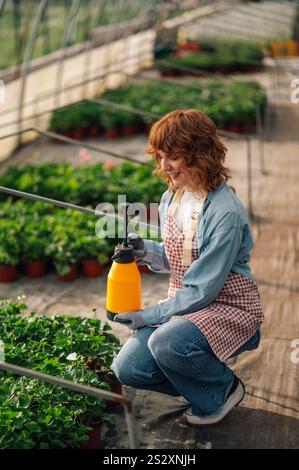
pixel 126 206
pixel 124 251
pixel 123 254
pixel 116 255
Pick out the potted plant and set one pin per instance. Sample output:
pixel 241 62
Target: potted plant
pixel 63 248
pixel 77 122
pixel 130 124
pixel 95 128
pixel 61 122
pixel 92 416
pixel 34 239
pixel 93 255
pixel 9 250
pixel 110 123
pixel 92 112
pixel 91 250
pixel 66 267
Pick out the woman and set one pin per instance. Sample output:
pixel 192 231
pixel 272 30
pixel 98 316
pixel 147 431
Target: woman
pixel 213 310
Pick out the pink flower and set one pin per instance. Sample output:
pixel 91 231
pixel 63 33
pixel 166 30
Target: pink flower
pixel 109 164
pixel 84 155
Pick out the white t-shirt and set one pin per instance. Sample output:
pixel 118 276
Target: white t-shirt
pixel 188 203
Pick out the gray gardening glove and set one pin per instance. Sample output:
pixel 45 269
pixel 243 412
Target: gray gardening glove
pixel 138 245
pixel 133 320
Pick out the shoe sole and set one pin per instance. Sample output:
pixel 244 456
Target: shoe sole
pixel 184 419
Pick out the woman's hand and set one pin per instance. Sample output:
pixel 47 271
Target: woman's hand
pixel 138 245
pixel 136 242
pixel 133 320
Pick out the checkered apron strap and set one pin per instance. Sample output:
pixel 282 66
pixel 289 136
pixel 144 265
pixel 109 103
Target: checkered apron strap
pixel 175 202
pixel 188 241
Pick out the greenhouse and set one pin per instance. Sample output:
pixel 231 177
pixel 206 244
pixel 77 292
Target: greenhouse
pixel 149 226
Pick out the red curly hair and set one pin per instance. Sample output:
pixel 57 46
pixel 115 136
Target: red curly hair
pixel 190 134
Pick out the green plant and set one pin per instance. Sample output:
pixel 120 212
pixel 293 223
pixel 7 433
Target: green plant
pixel 92 247
pixel 34 239
pixel 61 121
pixel 109 119
pixel 215 55
pixel 81 115
pixel 9 242
pixel 63 248
pixel 225 102
pixel 37 415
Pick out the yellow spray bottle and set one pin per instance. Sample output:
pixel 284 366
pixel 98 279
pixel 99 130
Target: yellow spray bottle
pixel 124 280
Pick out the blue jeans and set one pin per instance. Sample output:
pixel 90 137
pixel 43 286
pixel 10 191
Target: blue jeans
pixel 176 359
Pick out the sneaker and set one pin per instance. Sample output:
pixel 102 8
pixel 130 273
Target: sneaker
pixel 236 395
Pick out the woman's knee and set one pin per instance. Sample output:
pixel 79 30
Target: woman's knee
pixel 177 337
pixel 126 365
pixel 156 342
pixel 135 366
pixel 122 370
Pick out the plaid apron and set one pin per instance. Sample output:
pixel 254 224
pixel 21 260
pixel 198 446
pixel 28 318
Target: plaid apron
pixel 235 314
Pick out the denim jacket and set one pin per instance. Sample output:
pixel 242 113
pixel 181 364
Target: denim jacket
pixel 224 243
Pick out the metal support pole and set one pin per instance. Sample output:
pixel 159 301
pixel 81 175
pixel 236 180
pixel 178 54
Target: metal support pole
pixel 85 389
pixel 67 205
pixel 260 132
pixel 17 24
pixel 123 107
pixel 196 72
pixel 109 36
pixel 116 70
pixel 249 177
pixel 96 13
pixel 75 142
pixel 2 5
pixel 28 56
pixel 63 50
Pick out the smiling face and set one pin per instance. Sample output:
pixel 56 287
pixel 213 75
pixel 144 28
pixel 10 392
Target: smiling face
pixel 173 167
pixel 188 151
